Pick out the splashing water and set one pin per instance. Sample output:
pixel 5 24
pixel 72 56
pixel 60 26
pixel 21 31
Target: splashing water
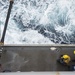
pixel 39 21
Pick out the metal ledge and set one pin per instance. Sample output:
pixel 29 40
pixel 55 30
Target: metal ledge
pixel 39 73
pixel 62 45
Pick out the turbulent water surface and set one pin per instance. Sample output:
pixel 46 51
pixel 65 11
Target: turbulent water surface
pixel 39 21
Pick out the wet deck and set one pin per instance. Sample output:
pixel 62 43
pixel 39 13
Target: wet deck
pixel 34 58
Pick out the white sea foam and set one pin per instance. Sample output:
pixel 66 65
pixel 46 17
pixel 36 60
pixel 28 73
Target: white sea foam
pixel 39 21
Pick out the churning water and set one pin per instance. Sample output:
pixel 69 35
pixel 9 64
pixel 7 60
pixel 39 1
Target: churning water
pixel 39 21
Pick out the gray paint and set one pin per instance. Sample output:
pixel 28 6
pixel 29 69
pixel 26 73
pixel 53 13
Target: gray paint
pixel 34 58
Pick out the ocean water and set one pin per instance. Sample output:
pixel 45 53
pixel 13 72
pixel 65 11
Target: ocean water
pixel 39 21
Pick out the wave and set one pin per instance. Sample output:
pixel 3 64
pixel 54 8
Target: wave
pixel 50 21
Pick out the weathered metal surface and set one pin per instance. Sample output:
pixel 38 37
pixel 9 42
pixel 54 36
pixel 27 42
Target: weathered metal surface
pixel 34 58
pixel 39 73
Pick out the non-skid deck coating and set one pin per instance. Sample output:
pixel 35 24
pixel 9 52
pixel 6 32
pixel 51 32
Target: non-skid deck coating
pixel 34 58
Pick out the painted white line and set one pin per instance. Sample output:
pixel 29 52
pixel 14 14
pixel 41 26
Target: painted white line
pixel 39 73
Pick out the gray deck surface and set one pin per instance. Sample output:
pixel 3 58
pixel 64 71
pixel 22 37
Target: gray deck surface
pixel 33 58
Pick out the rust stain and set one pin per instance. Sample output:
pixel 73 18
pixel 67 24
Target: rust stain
pixel 1 43
pixel 57 73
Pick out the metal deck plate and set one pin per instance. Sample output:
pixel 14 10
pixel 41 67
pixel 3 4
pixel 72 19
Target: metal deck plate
pixel 34 58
